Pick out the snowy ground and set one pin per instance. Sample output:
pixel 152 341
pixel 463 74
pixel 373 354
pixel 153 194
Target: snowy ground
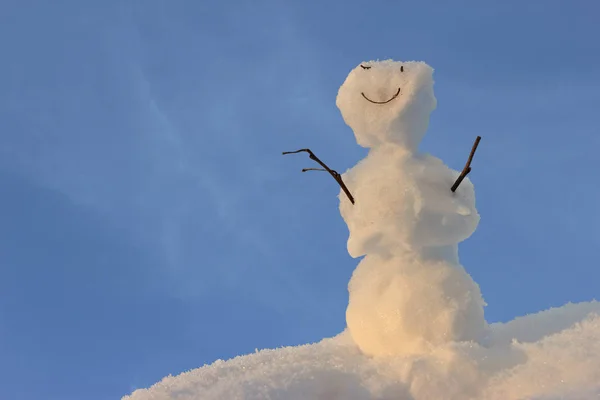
pixel 554 354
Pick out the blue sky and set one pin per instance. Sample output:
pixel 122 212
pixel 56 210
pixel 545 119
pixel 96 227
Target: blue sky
pixel 149 224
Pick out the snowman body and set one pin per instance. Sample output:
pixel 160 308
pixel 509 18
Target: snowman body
pixel 409 293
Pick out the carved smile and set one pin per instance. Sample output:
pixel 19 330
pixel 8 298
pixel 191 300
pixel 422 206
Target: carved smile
pixel 381 102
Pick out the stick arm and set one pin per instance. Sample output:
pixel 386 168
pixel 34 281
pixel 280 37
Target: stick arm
pixel 333 173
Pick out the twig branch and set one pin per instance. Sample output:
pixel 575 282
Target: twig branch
pixel 467 167
pixel 314 169
pixel 333 173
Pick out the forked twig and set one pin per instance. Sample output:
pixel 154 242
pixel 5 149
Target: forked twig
pixel 467 167
pixel 333 173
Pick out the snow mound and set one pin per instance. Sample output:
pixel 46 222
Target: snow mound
pixel 554 354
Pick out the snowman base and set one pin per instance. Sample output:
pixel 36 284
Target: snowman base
pixel 408 306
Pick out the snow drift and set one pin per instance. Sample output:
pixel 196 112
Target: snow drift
pixel 551 355
pixel 415 318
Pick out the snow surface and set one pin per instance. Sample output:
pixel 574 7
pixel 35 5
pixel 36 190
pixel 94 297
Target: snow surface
pixel 563 362
pixel 415 318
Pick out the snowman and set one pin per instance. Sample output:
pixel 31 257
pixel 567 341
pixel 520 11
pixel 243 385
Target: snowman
pixel 409 294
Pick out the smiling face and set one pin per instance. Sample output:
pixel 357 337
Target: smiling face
pixel 388 102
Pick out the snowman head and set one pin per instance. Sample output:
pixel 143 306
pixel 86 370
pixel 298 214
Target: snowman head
pixel 388 102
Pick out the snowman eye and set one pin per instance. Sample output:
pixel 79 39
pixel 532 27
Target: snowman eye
pixel 365 67
pixel 402 68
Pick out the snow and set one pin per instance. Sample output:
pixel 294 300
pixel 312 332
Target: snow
pixel 403 120
pixel 400 308
pixel 415 318
pixel 563 365
pixel 409 293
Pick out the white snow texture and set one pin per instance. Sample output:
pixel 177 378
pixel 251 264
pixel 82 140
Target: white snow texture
pixel 415 321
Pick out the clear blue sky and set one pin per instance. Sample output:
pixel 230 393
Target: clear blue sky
pixel 149 224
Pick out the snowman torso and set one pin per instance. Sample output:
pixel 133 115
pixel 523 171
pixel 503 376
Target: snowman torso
pixel 404 203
